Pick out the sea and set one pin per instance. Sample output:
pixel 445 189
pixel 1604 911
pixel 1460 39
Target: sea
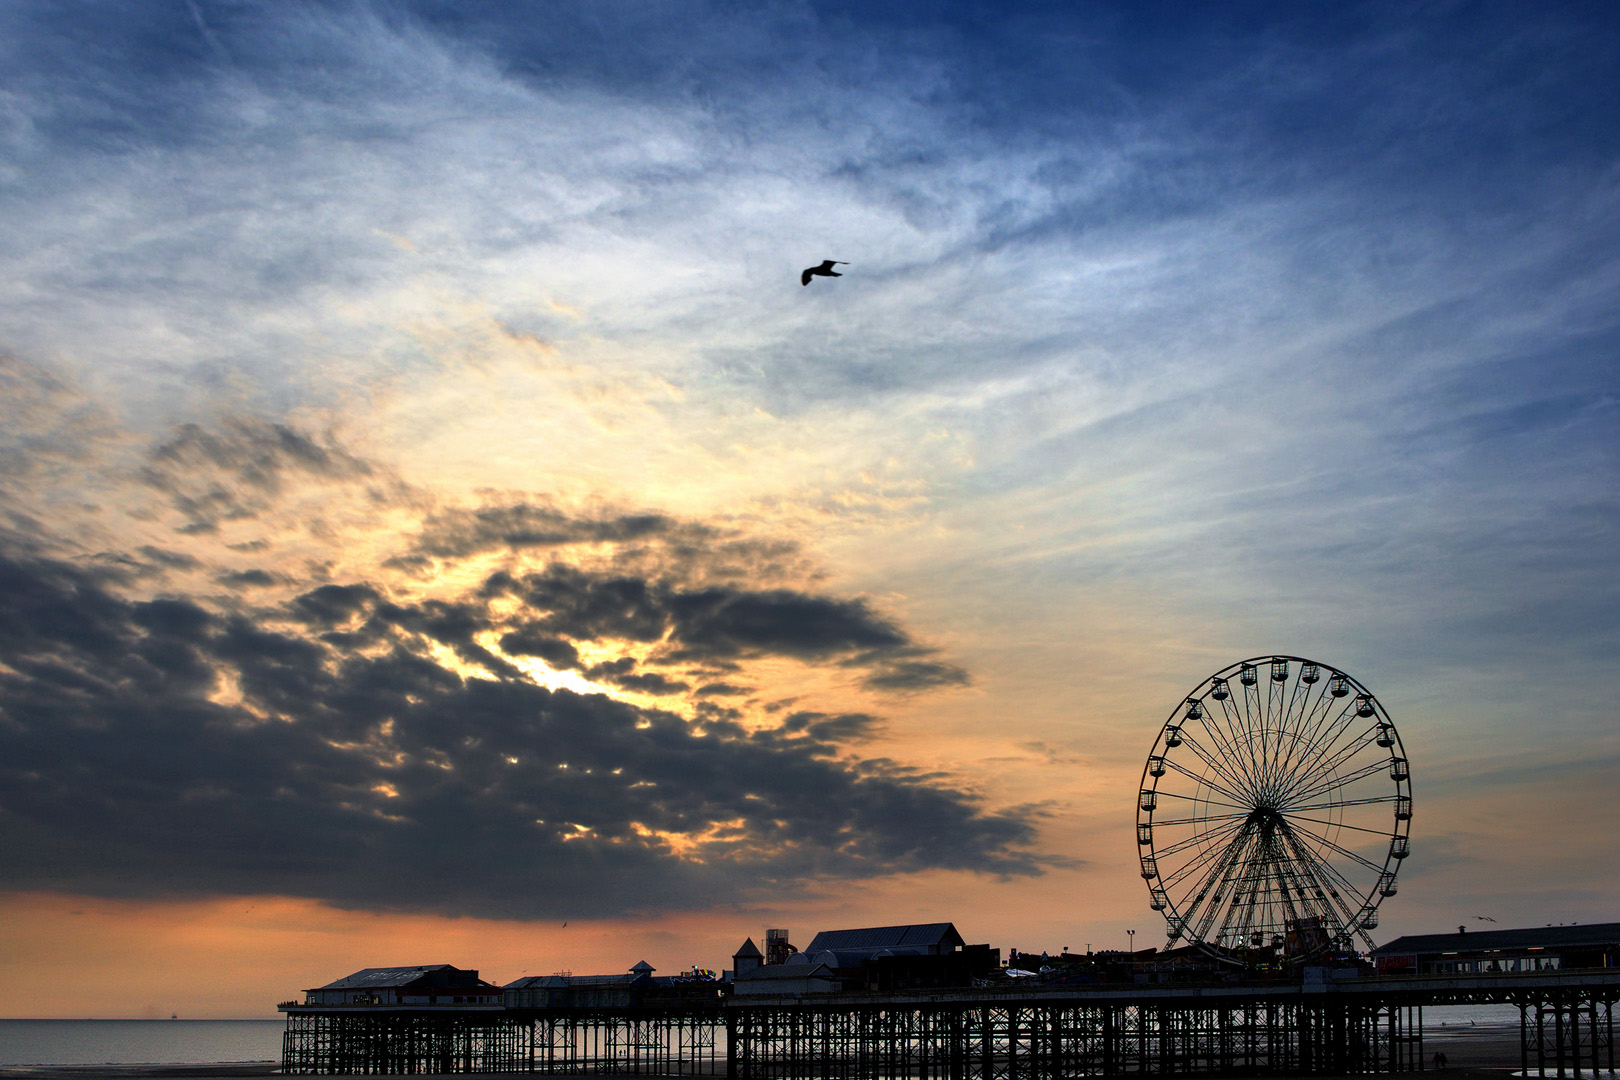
pixel 139 1042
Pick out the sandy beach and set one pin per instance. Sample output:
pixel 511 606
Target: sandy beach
pixel 1481 1054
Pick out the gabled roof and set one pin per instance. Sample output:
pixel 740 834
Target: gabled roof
pixel 916 935
pixel 1545 937
pixel 748 949
pixel 562 982
pixel 382 978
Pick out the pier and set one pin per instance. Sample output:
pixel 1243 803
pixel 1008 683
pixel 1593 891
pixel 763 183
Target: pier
pixel 1358 1025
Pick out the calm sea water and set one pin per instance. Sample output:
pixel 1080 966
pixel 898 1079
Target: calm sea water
pixel 138 1042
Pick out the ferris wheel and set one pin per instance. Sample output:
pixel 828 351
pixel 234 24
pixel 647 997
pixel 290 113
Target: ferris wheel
pixel 1274 811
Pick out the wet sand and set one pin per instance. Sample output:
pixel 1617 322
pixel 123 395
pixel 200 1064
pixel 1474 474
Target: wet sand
pixel 220 1071
pixel 1484 1054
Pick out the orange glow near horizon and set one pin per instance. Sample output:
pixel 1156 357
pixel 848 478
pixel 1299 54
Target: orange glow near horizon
pixel 236 957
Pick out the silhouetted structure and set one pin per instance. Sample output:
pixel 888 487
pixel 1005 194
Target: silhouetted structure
pixel 795 1024
pixel 747 958
pixel 777 947
pixel 432 1018
pixel 1534 948
pixel 432 984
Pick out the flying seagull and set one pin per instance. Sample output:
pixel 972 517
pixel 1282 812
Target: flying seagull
pixel 1484 918
pixel 824 270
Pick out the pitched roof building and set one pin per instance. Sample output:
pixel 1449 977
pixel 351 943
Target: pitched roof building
pixel 424 984
pixel 1533 948
pixel 850 947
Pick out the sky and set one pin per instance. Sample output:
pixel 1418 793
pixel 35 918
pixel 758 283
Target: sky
pixel 436 526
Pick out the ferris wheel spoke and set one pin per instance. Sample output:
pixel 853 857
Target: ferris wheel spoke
pixel 1325 733
pixel 1261 701
pixel 1332 883
pixel 1247 886
pixel 1319 752
pixel 1214 765
pixel 1329 762
pixel 1253 709
pixel 1289 728
pixel 1201 820
pixel 1288 891
pixel 1291 816
pixel 1320 745
pixel 1334 874
pixel 1197 799
pixel 1320 718
pixel 1330 782
pixel 1211 836
pixel 1234 721
pixel 1228 910
pixel 1346 852
pixel 1322 882
pixel 1192 866
pixel 1219 736
pixel 1197 865
pixel 1217 884
pixel 1317 714
pixel 1232 778
pixel 1290 808
pixel 1223 722
pixel 1292 897
pixel 1199 779
pixel 1227 887
pixel 1324 780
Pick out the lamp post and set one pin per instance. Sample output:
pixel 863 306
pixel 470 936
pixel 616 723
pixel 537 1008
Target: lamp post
pixel 1131 934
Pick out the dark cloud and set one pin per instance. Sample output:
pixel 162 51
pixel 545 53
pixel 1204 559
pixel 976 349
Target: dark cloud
pixel 589 607
pixel 236 471
pixel 529 641
pixel 246 579
pixel 719 622
pixel 319 749
pixel 172 560
pixel 722 689
pixel 621 672
pixel 331 605
pixel 650 682
pixel 912 675
pixel 833 728
pixel 519 526
pixel 717 625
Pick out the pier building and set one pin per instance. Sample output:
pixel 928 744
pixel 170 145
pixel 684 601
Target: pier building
pixel 1534 948
pixel 431 984
pixel 806 1021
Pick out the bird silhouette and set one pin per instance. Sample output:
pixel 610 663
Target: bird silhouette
pixel 1484 918
pixel 824 270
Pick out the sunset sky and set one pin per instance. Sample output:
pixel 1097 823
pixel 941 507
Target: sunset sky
pixel 432 512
